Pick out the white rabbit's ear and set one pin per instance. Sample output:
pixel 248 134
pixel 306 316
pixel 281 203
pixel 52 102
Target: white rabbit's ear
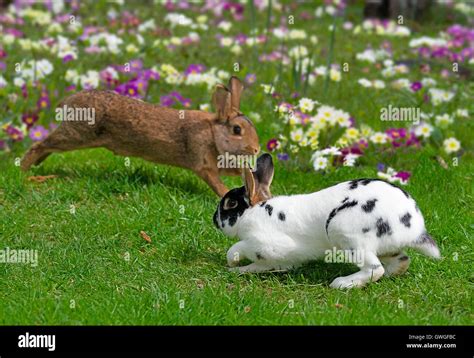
pixel 221 100
pixel 249 181
pixel 236 88
pixel 263 176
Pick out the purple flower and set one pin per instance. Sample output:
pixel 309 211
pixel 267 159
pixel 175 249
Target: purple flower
pixel 416 86
pixel 167 101
pixel 404 176
pixel 29 119
pixel 380 167
pixel 283 156
pixel 250 78
pixel 195 68
pixel 272 144
pixel 38 133
pixel 14 133
pixel 68 58
pixel 43 102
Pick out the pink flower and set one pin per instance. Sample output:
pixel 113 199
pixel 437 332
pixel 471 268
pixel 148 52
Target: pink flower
pixel 38 133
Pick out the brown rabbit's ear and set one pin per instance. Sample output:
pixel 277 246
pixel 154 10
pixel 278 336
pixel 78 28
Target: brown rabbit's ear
pixel 250 185
pixel 264 176
pixel 236 89
pixel 221 100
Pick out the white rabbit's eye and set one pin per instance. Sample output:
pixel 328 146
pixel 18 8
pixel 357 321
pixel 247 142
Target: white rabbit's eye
pixel 230 204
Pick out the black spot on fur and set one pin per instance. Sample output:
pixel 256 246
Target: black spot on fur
pixel 383 228
pixel 269 209
pixel 347 204
pixel 281 216
pixel 365 230
pixel 365 181
pixel 345 199
pixel 232 220
pixel 425 238
pixel 263 203
pixel 369 205
pixel 355 183
pixel 403 258
pixel 259 256
pixel 405 219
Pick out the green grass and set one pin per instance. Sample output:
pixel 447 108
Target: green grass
pixel 83 276
pixel 82 255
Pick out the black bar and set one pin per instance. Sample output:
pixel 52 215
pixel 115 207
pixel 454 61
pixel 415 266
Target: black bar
pixel 373 339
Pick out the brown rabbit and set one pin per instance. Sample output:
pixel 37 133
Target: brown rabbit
pixel 130 127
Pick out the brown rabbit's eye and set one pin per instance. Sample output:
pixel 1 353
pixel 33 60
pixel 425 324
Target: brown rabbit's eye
pixel 237 130
pixel 230 204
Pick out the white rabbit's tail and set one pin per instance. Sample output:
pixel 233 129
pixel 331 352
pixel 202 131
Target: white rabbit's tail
pixel 427 246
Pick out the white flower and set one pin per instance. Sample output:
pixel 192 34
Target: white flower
pixel 428 82
pixel 350 159
pixel 178 19
pixel 131 48
pixel 444 120
pixel 451 145
pixel 320 163
pixel 334 75
pixel 306 104
pixel 268 89
pixel 379 138
pixel 462 113
pixel 90 80
pixel 439 96
pixel 205 107
pixel 297 135
pixel 331 151
pixel 379 84
pixel 147 25
pixel 298 52
pixel 3 82
pixel 297 34
pixel 428 42
pixel 224 26
pixel 18 81
pixel 342 118
pixel 72 76
pixel 423 130
pixel 365 82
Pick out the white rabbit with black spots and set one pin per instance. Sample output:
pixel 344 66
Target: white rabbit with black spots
pixel 369 216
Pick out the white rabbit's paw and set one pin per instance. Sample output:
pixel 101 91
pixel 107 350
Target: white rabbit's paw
pixel 346 282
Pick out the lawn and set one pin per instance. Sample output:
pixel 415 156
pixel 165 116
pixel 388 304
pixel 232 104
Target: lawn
pixel 94 266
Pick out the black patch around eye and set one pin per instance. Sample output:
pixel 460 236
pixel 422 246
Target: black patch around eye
pixel 269 209
pixel 405 219
pixel 259 256
pixel 369 205
pixel 281 216
pixel 365 230
pixel 383 228
pixel 231 215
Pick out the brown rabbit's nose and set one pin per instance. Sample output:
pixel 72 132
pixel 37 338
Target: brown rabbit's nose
pixel 256 150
